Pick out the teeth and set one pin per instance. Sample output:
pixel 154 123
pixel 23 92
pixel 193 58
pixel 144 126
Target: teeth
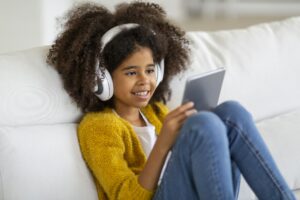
pixel 141 93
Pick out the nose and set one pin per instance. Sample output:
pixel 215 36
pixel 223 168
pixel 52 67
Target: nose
pixel 143 78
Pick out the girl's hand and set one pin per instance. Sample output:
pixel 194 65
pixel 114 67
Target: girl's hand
pixel 149 176
pixel 173 122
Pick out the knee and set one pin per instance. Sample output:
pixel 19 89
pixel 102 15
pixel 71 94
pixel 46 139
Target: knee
pixel 205 125
pixel 203 119
pixel 233 111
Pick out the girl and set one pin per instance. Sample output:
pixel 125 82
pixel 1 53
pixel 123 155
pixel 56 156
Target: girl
pixel 117 67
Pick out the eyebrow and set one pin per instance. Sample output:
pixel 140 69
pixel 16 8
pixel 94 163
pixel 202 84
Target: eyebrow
pixel 134 67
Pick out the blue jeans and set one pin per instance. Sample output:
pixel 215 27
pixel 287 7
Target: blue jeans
pixel 212 150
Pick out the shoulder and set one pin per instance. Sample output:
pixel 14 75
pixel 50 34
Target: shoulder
pixel 162 108
pixel 158 109
pixel 99 130
pixel 98 117
pixel 156 114
pixel 100 123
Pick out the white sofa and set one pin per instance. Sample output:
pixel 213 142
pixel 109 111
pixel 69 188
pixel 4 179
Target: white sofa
pixel 39 153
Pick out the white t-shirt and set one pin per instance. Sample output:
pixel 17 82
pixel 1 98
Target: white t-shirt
pixel 147 137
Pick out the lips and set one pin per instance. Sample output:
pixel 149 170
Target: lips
pixel 141 93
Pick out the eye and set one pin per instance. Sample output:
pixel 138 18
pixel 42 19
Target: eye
pixel 150 71
pixel 130 73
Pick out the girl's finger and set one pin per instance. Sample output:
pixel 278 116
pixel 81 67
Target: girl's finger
pixel 179 120
pixel 186 114
pixel 181 109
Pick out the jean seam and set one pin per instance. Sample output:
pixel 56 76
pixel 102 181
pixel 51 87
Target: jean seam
pixel 257 155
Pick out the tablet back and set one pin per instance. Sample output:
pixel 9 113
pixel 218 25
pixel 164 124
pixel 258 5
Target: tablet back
pixel 204 89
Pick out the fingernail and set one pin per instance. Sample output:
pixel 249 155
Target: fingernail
pixel 191 112
pixel 191 103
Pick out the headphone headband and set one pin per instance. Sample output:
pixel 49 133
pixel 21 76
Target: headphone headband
pixel 111 33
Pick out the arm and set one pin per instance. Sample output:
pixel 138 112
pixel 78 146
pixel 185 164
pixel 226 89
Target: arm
pixel 148 178
pixel 103 148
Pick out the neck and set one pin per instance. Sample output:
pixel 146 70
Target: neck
pixel 132 115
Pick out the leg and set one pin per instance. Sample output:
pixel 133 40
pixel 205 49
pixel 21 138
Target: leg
pixel 200 166
pixel 251 155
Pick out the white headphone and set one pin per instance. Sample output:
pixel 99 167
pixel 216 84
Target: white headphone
pixel 104 88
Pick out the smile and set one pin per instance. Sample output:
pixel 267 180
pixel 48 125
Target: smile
pixel 141 93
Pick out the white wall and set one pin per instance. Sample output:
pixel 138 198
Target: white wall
pixel 172 7
pixel 18 24
pixel 29 23
pixel 52 10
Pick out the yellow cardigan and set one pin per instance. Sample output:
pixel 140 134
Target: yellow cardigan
pixel 114 154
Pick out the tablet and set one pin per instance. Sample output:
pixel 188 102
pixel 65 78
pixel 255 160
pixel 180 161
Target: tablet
pixel 204 89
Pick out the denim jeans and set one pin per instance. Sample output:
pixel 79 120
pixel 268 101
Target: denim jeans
pixel 212 150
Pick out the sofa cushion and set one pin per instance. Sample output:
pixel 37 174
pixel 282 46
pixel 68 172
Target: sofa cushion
pixel 262 65
pixel 43 162
pixel 282 135
pixel 31 92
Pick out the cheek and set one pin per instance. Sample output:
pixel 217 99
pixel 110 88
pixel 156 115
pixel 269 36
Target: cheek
pixel 122 87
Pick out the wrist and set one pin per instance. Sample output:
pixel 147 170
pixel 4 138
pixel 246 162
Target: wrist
pixel 162 144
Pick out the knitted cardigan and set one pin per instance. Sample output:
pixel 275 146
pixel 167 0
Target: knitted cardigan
pixel 114 154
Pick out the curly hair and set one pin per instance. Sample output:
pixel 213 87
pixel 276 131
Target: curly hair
pixel 76 50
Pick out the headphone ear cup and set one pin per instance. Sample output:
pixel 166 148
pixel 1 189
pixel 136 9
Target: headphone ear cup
pixel 160 68
pixel 104 89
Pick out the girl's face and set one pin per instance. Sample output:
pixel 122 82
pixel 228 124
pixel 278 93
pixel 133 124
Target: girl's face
pixel 134 80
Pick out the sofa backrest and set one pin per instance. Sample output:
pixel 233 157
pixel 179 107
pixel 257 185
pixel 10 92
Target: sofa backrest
pixel 39 152
pixel 262 71
pixel 31 91
pixel 262 65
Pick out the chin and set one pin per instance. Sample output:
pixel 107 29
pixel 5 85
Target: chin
pixel 142 104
